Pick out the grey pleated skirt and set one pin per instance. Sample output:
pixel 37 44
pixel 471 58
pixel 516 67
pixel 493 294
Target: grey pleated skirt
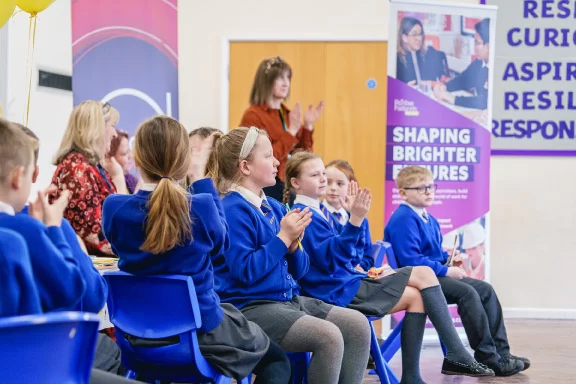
pixel 378 297
pixel 236 345
pixel 276 317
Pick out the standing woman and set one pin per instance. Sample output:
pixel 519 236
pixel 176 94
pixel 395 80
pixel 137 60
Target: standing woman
pixel 288 130
pixel 83 168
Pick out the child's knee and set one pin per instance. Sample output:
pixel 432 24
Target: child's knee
pixel 425 274
pixel 329 335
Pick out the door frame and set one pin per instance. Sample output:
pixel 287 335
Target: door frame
pixel 225 67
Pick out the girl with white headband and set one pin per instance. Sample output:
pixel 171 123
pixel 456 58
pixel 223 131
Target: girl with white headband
pixel 259 273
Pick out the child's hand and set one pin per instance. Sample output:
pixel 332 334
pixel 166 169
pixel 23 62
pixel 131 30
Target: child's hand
pixel 53 213
pixel 348 201
pixel 456 273
pixel 360 207
pixel 294 246
pixel 295 120
pixel 198 160
pixel 458 258
pixel 293 224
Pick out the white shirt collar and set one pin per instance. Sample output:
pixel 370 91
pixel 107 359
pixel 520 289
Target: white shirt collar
pixel 250 196
pixel 309 202
pixel 344 215
pixel 148 187
pixel 7 208
pixel 484 64
pixel 419 211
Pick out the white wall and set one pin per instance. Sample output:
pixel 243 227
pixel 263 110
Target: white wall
pixel 49 108
pixel 533 199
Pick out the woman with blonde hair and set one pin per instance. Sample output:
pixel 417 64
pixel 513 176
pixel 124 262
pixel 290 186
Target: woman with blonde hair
pixel 83 168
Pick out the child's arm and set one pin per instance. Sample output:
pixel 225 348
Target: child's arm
pixel 329 250
pixel 367 259
pixel 298 263
pixel 94 298
pixel 56 271
pixel 406 246
pixel 222 243
pixel 248 260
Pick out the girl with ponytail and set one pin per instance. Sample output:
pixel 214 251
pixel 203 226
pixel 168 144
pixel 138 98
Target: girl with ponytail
pixel 162 229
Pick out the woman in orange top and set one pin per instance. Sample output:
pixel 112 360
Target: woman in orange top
pixel 288 130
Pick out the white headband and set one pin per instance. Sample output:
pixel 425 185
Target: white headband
pixel 249 142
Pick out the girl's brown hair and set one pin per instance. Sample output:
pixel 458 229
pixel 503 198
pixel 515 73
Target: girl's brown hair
pixel 344 167
pixel 223 165
pixel 161 153
pixel 406 25
pixel 293 169
pixel 266 74
pixel 203 132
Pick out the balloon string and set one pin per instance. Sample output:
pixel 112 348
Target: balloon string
pixel 30 61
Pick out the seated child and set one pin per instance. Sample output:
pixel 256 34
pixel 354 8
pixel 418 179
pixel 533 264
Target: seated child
pixel 162 229
pixel 332 276
pixel 417 241
pixel 261 271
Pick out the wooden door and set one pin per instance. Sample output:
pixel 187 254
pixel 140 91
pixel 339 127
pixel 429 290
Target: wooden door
pixel 351 78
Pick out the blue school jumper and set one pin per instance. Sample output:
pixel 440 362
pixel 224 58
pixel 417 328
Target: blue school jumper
pixel 363 247
pixel 414 241
pixel 333 255
pixel 257 266
pixel 96 289
pixel 18 292
pixel 123 218
pixel 55 268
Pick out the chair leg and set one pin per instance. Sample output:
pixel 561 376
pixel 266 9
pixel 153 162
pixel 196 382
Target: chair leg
pixel 392 343
pixel 385 374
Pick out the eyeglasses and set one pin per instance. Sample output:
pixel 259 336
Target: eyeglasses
pixel 415 34
pixel 424 189
pixel 106 108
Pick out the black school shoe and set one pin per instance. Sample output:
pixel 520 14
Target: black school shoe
pixel 475 369
pixel 507 366
pixel 524 360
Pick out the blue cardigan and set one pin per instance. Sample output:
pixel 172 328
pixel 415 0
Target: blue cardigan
pixel 96 290
pixel 258 265
pixel 123 217
pixel 18 292
pixel 415 242
pixel 363 247
pixel 56 271
pixel 331 277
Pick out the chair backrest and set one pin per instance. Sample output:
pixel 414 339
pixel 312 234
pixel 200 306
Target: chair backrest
pixel 51 348
pixel 18 291
pixel 390 256
pixel 378 253
pixel 157 307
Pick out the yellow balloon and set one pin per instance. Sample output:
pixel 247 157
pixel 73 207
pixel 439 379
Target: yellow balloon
pixel 33 6
pixel 6 10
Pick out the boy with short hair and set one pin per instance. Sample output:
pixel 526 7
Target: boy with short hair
pixel 417 240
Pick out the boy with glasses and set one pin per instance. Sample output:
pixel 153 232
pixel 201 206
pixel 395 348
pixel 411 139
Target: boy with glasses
pixel 417 240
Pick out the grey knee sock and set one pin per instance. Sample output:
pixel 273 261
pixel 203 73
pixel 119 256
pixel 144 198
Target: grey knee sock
pixel 324 340
pixel 411 339
pixel 356 334
pixel 437 310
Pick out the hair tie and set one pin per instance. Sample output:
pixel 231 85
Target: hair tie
pixel 249 142
pixel 165 177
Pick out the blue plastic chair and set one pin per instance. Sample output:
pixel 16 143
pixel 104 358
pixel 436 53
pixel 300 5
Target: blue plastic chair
pixel 52 348
pixel 159 307
pixel 393 261
pixel 299 362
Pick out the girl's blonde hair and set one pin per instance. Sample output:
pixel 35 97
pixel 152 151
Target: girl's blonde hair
pixel 86 131
pixel 161 153
pixel 266 74
pixel 293 170
pixel 223 165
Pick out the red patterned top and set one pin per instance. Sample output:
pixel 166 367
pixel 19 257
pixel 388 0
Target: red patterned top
pixel 88 189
